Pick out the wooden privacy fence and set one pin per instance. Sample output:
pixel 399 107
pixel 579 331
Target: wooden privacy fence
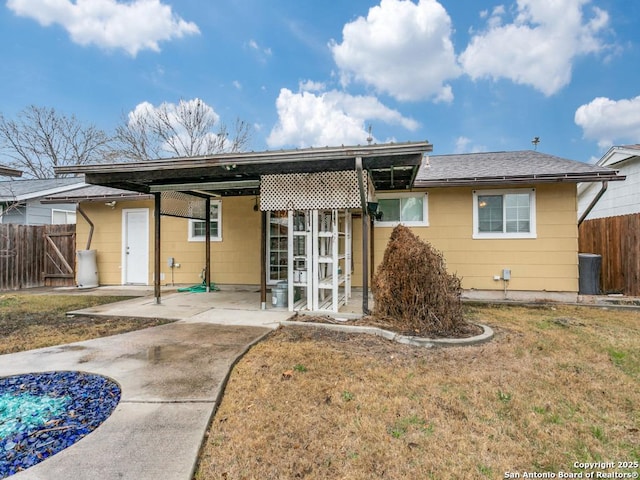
pixel 617 239
pixel 36 256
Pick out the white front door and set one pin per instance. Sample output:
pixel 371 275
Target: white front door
pixel 135 246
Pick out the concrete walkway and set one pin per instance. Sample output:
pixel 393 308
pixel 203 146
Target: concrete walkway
pixel 172 378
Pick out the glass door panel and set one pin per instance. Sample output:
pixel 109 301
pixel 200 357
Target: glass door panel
pixel 277 251
pixel 299 259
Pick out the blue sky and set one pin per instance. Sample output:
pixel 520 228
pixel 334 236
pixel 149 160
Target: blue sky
pixel 467 75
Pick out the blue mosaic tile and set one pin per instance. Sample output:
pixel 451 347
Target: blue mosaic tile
pixel 44 413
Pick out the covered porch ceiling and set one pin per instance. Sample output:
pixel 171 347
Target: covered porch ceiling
pixel 390 167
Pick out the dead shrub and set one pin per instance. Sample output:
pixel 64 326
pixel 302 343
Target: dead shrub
pixel 413 290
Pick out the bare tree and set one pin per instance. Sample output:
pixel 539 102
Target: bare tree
pixel 41 139
pixel 188 129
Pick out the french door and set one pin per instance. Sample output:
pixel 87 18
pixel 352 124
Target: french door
pixel 310 250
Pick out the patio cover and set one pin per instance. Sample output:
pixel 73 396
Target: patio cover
pixel 389 167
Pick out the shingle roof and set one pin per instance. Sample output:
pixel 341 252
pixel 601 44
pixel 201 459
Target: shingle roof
pixel 526 166
pixel 24 189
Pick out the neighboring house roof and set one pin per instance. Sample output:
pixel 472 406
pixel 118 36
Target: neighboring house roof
pixel 526 166
pixel 9 172
pixel 27 189
pixel 619 199
pixel 617 155
pixel 95 193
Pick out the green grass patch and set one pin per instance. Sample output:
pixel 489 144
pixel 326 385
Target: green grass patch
pixel 626 360
pixel 347 396
pixel 402 426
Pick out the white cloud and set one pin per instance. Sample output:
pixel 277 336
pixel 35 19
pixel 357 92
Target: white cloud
pixel 330 118
pixel 401 48
pixel 175 111
pixel 255 46
pixel 609 121
pixel 237 84
pixel 311 86
pixel 132 26
pixel 495 20
pixel 538 48
pixel 461 144
pixel 262 52
pixel 464 145
pixel 177 124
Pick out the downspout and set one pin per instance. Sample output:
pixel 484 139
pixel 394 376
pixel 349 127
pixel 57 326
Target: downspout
pixel 365 239
pixel 372 246
pixel 263 260
pixel 91 227
pixel 207 242
pixel 156 269
pixel 603 189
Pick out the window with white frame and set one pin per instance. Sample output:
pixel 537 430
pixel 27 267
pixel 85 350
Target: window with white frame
pixel 409 209
pixel 197 228
pixel 59 217
pixel 504 213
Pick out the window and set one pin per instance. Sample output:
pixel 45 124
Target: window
pixel 406 208
pixel 504 213
pixel 59 217
pixel 197 230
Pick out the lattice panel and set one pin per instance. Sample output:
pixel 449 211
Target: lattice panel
pixel 178 204
pixel 310 191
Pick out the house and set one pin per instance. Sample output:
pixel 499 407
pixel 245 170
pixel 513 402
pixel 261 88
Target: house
pixel 609 221
pixel 20 201
pixel 621 198
pixel 506 222
pixel 509 221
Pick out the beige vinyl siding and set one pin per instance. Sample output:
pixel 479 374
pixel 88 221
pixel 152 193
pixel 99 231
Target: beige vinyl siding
pixel 234 260
pixel 107 237
pixel 548 262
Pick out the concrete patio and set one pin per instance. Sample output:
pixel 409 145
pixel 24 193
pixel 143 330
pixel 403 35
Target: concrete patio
pixel 206 307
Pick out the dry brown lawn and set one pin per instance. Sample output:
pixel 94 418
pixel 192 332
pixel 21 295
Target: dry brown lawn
pixel 557 385
pixel 36 321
